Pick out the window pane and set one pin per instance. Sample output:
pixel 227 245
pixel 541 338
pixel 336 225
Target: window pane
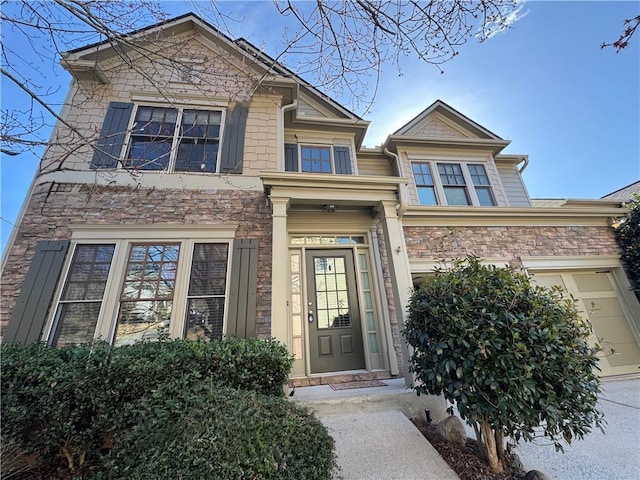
pixel 478 175
pixel 197 157
pixel 199 140
pixel 76 323
pixel 205 318
pixel 316 159
pixel 148 154
pixel 422 174
pixel 142 320
pixel 205 312
pixel 451 174
pixel 86 267
pixel 456 196
pixel 427 196
pixel 485 197
pixel 147 292
pixel 82 294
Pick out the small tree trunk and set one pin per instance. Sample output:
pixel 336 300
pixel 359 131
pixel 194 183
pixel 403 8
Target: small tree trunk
pixel 490 444
pixel 500 448
pixel 477 427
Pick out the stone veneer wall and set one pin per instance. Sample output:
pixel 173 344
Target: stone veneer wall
pixel 509 242
pixel 54 206
pixel 388 287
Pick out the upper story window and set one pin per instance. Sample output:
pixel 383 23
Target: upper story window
pixel 424 184
pixel 482 185
pixel 174 139
pixel 317 159
pixel 451 185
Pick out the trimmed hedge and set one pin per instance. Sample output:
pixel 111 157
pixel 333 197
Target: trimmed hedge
pixel 204 432
pixel 80 401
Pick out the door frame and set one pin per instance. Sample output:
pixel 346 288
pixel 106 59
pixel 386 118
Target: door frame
pixel 354 296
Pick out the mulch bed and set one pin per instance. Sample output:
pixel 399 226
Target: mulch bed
pixel 464 460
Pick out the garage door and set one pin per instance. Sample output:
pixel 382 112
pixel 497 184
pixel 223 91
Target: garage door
pixel 597 300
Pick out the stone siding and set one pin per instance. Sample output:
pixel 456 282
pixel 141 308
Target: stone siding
pixel 509 242
pixel 54 207
pixel 391 300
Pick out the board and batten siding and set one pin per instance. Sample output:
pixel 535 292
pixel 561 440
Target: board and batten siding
pixel 513 186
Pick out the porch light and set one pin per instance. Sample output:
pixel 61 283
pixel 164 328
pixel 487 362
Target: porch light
pixel 330 208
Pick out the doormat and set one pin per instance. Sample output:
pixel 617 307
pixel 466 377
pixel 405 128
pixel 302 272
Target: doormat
pixel 362 384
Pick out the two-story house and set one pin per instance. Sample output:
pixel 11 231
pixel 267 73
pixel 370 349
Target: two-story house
pixel 198 188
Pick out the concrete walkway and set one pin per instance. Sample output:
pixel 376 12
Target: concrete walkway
pixel 376 440
pixel 613 455
pixel 374 437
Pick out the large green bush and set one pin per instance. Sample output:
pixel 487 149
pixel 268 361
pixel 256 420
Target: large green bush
pixel 628 237
pixel 511 355
pixel 203 432
pixel 72 400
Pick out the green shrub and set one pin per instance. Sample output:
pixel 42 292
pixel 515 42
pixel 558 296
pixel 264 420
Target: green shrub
pixel 628 237
pixel 511 355
pixel 70 400
pixel 200 431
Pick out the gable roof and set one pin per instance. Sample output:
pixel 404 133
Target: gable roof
pixel 455 117
pixel 83 59
pixel 440 125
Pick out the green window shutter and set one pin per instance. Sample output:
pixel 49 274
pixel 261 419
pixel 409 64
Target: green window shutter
pixel 342 160
pixel 30 313
pixel 290 157
pixel 241 319
pixel 232 149
pixel 112 135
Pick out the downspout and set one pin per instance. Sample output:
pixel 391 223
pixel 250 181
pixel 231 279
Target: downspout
pixel 284 109
pixel 402 194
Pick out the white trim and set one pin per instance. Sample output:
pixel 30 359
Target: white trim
pixel 182 100
pixel 421 265
pixel 157 179
pixel 570 263
pixel 122 237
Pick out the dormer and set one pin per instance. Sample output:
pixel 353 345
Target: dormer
pixel 453 161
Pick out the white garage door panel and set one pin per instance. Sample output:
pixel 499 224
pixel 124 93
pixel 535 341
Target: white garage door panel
pixel 597 300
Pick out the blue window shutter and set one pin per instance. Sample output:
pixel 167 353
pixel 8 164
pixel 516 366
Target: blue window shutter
pixel 290 157
pixel 232 150
pixel 342 159
pixel 114 130
pixel 243 288
pixel 32 307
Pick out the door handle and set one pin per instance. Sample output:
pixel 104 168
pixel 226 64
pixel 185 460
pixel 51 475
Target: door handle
pixel 310 317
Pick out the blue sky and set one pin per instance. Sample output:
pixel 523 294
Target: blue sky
pixel 545 85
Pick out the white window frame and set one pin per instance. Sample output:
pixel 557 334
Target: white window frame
pixel 124 154
pixel 316 145
pixel 439 187
pixel 122 238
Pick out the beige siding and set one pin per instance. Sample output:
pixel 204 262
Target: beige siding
pixel 306 110
pixel 514 188
pixel 375 166
pixel 217 80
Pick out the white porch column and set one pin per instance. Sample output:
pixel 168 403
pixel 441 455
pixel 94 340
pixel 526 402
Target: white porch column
pixel 279 281
pixel 399 269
